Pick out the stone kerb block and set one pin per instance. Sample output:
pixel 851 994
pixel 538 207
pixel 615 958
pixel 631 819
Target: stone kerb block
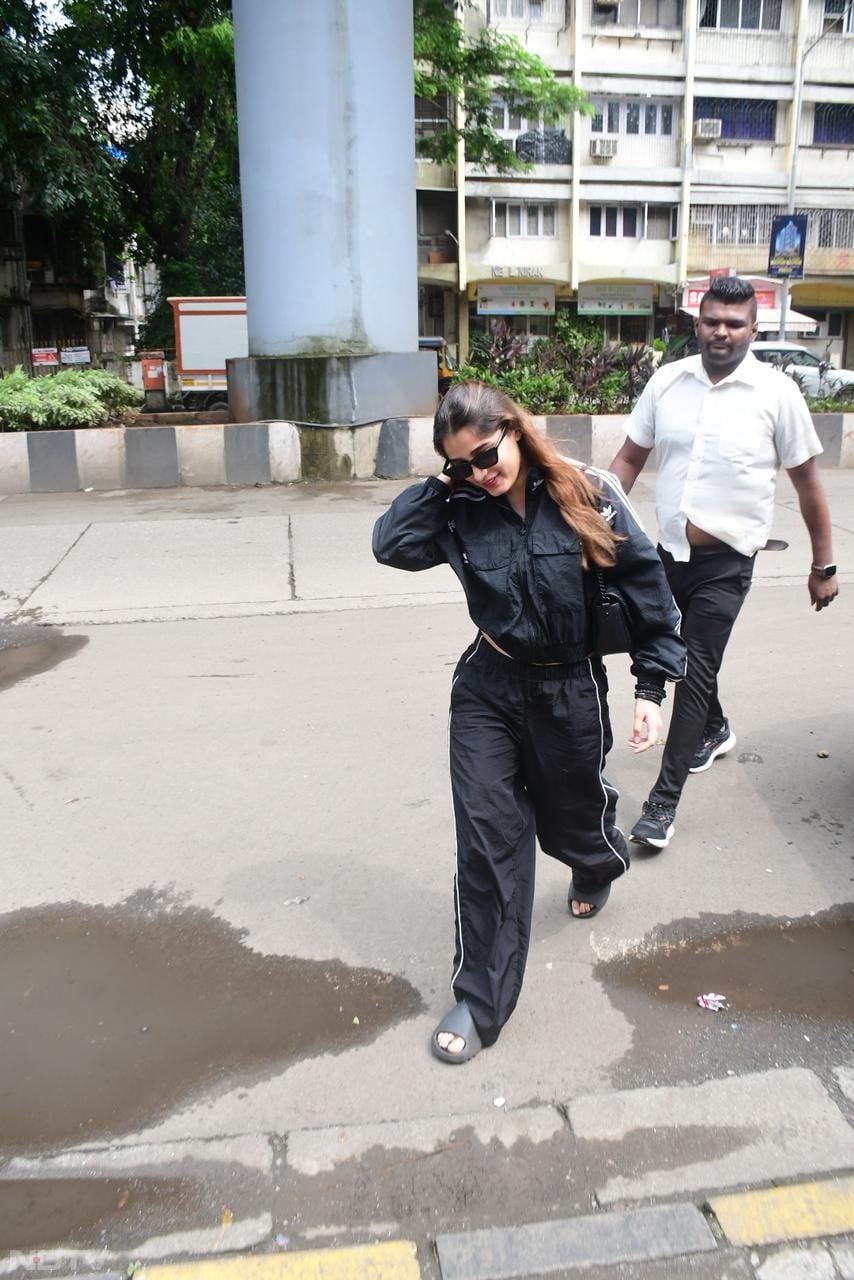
pixel 247 453
pixel 846 452
pixel 151 458
pixel 14 462
pixel 571 434
pixel 201 454
pixel 393 449
pixel 285 452
pixel 423 458
pixel 829 427
pixel 609 432
pixel 365 445
pixel 101 457
pixel 53 461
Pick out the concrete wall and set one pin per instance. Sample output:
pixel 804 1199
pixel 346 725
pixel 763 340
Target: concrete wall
pixel 163 457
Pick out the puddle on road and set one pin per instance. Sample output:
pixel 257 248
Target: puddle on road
pixel 110 1016
pixel 27 650
pixel 40 1213
pixel 789 985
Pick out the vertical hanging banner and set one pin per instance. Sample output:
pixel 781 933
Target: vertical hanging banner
pixel 787 252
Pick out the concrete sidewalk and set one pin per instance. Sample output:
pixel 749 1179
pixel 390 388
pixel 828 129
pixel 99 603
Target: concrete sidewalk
pixel 237 723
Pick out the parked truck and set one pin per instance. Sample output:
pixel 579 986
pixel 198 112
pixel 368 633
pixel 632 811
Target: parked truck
pixel 209 331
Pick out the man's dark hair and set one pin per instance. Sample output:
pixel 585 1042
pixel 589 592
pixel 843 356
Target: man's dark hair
pixel 731 290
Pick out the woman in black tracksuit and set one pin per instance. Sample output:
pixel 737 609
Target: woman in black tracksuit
pixel 522 528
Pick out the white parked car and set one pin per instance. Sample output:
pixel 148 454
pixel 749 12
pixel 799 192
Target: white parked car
pixel 816 376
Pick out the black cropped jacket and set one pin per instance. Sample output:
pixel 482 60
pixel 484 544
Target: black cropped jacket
pixel 523 579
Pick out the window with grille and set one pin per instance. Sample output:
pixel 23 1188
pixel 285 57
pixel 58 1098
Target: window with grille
pixel 507 119
pixel 742 119
pixel 431 114
pixel 834 124
pixel 839 17
pixel 518 219
pixel 527 11
pixel 728 224
pixel 833 228
pixel 742 15
pixel 638 13
pixel 632 116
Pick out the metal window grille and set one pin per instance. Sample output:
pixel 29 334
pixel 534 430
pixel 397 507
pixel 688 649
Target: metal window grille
pixel 431 114
pixel 839 17
pixel 742 119
pixel 834 124
pixel 742 15
pixel 638 13
pixel 547 12
pixel 830 228
pixel 730 224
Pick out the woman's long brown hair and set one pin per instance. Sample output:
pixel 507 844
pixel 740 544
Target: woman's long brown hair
pixel 485 410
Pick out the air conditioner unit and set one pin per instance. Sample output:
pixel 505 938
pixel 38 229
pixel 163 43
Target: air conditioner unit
pixel 603 148
pixel 707 130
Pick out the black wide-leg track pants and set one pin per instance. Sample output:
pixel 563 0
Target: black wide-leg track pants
pixel 527 749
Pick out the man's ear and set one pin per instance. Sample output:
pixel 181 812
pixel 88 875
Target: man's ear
pixel 696 325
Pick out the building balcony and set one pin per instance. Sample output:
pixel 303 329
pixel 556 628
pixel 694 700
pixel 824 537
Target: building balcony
pixel 430 176
pixel 768 54
pixel 747 259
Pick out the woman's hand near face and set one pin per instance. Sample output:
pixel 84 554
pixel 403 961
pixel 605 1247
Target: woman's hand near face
pixel 647 727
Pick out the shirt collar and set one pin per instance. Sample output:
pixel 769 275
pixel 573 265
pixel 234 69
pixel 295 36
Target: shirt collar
pixel 745 372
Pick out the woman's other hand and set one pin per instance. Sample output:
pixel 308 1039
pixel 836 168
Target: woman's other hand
pixel 648 726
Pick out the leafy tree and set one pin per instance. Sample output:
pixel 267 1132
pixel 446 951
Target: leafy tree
pixel 473 70
pixel 54 147
pixel 164 74
pixel 119 123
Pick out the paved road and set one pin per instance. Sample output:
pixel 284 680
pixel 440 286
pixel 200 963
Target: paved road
pixel 226 862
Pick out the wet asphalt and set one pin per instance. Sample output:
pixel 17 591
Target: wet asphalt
pixel 226 860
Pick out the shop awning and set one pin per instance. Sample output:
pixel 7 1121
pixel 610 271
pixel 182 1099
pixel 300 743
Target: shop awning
pixel 769 318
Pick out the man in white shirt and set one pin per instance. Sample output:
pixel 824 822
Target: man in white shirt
pixel 721 423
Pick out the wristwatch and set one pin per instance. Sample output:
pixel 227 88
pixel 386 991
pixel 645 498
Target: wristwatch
pixel 824 571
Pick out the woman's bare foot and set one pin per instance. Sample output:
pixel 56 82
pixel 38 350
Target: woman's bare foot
pixel 580 908
pixel 450 1043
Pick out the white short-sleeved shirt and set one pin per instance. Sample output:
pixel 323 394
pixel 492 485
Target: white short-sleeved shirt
pixel 718 448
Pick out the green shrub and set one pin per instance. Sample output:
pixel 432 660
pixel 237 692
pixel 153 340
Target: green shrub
pixel 841 401
pixel 572 372
pixel 64 400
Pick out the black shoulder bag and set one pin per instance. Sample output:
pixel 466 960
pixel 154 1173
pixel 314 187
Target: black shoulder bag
pixel 609 626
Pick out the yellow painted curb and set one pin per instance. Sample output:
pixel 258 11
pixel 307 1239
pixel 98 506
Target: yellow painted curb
pixel 803 1210
pixel 395 1260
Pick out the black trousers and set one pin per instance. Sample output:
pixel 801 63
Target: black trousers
pixel 709 589
pixel 527 749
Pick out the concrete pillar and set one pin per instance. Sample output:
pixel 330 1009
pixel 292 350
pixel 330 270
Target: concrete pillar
pixel 327 170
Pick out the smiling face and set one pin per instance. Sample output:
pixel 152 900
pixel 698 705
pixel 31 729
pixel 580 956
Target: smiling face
pixel 506 474
pixel 724 331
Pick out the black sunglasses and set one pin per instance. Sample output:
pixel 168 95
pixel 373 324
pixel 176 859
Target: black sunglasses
pixel 461 469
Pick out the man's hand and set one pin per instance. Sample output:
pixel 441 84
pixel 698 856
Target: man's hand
pixel 822 590
pixel 647 727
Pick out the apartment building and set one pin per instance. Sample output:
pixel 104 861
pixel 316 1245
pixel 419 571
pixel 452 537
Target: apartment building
pixel 701 110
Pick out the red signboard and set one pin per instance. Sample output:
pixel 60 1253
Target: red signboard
pixel 45 355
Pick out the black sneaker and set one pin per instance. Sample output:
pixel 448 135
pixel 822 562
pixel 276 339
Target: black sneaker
pixel 717 744
pixel 655 825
